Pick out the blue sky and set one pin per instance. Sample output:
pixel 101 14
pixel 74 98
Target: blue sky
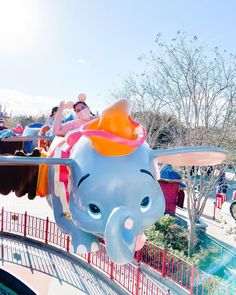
pixel 55 49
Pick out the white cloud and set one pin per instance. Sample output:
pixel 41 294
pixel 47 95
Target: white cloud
pixel 19 103
pixel 81 61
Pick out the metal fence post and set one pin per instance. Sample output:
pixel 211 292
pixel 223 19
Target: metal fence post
pixel 163 270
pixel 25 223
pixel 138 256
pixel 111 270
pixel 192 280
pixel 2 219
pixel 46 231
pixel 68 243
pixel 137 278
pixel 89 257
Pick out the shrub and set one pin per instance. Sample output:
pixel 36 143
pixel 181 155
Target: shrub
pixel 168 234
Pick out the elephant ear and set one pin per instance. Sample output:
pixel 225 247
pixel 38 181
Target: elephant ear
pixel 191 156
pixel 36 161
pixel 27 138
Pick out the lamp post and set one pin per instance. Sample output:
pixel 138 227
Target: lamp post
pixel 214 211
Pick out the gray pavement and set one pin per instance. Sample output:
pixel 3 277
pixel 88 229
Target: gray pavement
pixel 46 271
pixel 38 207
pixel 214 227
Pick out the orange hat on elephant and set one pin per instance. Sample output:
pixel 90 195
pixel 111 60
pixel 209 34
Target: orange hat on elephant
pixel 115 133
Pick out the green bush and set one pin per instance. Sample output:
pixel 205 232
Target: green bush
pixel 168 234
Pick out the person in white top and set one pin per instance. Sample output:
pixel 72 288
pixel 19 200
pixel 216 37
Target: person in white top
pixel 49 121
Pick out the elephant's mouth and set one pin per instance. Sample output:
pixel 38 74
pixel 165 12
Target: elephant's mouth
pixel 141 238
pixel 140 241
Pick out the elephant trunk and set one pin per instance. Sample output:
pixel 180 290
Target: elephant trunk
pixel 120 235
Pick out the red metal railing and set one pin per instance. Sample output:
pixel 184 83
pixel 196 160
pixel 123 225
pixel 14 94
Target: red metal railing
pixel 181 272
pixel 167 264
pixel 128 276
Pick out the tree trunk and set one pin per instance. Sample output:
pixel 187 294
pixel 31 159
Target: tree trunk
pixel 191 238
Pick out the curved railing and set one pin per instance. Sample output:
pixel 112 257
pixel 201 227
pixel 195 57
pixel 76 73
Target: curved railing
pixel 128 276
pixel 182 273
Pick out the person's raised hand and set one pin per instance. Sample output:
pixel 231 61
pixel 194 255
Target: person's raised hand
pixel 61 105
pixel 69 105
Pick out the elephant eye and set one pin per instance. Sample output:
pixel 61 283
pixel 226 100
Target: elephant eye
pixel 94 208
pixel 145 204
pixel 94 211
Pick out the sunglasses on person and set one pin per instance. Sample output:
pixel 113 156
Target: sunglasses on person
pixel 80 107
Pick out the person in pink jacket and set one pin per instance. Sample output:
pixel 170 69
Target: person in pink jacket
pixel 83 115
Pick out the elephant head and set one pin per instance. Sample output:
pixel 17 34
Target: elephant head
pixel 116 198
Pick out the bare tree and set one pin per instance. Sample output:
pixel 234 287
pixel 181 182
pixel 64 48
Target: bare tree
pixel 149 106
pixel 25 120
pixel 197 86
